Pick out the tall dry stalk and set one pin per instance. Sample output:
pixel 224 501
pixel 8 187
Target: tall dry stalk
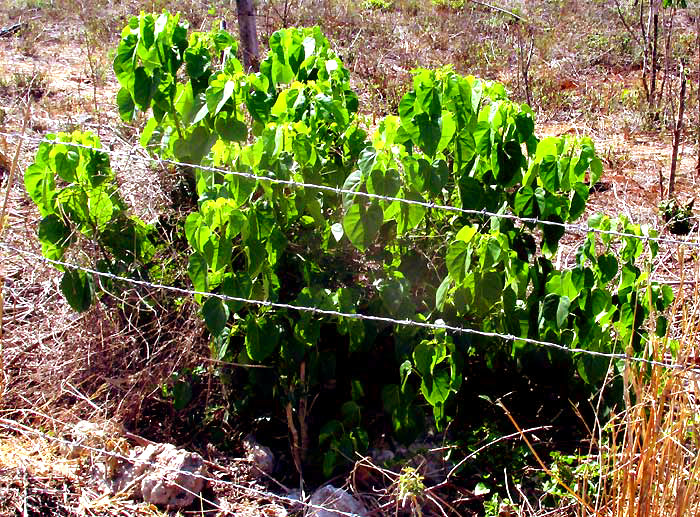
pixel 652 467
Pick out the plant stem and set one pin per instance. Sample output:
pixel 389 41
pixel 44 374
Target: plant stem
pixel 677 136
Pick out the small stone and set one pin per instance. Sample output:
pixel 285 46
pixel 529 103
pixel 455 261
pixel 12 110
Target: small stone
pixel 161 474
pixel 332 501
pixel 382 455
pixel 260 457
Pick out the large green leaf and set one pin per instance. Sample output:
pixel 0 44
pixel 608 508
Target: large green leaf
pixel 362 222
pixel 458 259
pixel 261 338
pixel 79 289
pixel 215 314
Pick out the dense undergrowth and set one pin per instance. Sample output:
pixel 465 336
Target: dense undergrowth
pixel 407 225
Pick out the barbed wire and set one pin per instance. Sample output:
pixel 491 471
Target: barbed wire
pixel 21 428
pixel 570 227
pixel 349 315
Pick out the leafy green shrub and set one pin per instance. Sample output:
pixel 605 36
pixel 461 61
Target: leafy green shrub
pixel 678 217
pixel 401 226
pixel 74 188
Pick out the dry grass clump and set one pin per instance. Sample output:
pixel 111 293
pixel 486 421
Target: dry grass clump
pixel 652 466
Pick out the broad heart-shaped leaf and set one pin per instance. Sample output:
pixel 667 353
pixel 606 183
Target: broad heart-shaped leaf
pixel 353 183
pixel 592 369
pixel 551 233
pixel 261 338
pixel 52 230
pixel 467 233
pixel 219 92
pixel 384 183
pixel 230 128
pixel 607 266
pixel 549 173
pixel 100 207
pixel 366 161
pixel 393 293
pixel 215 314
pixel 78 288
pixel 436 388
pixel 143 88
pixel 555 309
pixel 525 203
pixel 65 162
pixel 489 290
pixel 423 357
pixel 197 270
pixel 407 215
pixel 458 255
pixel 126 105
pixel 471 193
pixel 361 223
pixel 41 187
pixel 238 286
pixel 508 161
pixel 562 284
pixel 429 131
pixel 194 146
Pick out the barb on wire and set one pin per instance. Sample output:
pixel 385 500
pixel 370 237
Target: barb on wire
pixel 349 315
pixel 570 227
pixel 21 428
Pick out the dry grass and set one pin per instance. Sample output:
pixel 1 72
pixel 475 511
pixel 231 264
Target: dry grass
pixel 649 455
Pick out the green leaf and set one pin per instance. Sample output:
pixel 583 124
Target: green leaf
pixel 608 266
pixel 125 104
pixel 579 197
pixel 231 129
pixel 467 233
pixel 596 171
pixel 549 173
pixel 361 223
pixel 423 357
pixel 490 289
pixel 100 208
pixel 237 285
pixel 215 314
pixel 143 88
pixel 442 292
pixel 53 231
pixel 261 339
pixel 525 203
pixel 555 309
pixel 353 183
pixel 436 389
pixel 458 254
pixel 471 194
pixel 78 288
pixel 384 183
pixel 366 161
pixel 430 133
pixel 182 394
pixel 661 326
pixel 41 187
pixel 407 216
pixel 65 162
pixel 197 270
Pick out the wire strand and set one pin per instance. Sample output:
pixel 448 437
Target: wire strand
pixel 570 227
pixel 339 314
